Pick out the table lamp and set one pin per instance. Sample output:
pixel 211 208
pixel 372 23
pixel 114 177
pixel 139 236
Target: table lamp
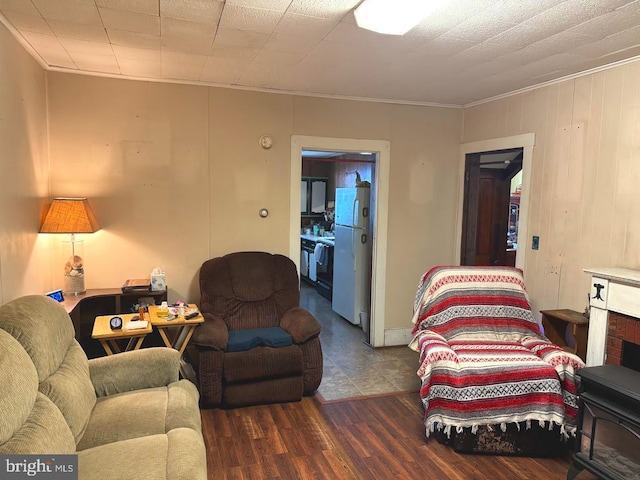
pixel 71 215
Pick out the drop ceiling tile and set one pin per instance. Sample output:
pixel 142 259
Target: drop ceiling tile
pixel 351 34
pixel 290 43
pixel 92 33
pixel 599 27
pixel 150 7
pixel 183 28
pixel 81 46
pixel 612 43
pixel 260 75
pixel 75 11
pixel 169 56
pixel 200 11
pixel 629 52
pixel 559 43
pixel 30 23
pixel 331 54
pixel 597 5
pixel 132 39
pixel 39 40
pixel 441 21
pixel 190 37
pixel 229 51
pixel 302 25
pixel 140 68
pixel 95 63
pixel 517 12
pixel 442 46
pixel 520 36
pixel 277 59
pixel 57 57
pixel 296 79
pixel 487 51
pixel 278 5
pixel 187 45
pixel 130 22
pixel 563 16
pixel 477 30
pixel 181 71
pixel 254 19
pixel 335 9
pixel 549 64
pixel 221 73
pixel 18 6
pixel 130 53
pixel 233 63
pixel 241 38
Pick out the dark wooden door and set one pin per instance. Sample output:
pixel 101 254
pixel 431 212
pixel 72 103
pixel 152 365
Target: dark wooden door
pixel 486 215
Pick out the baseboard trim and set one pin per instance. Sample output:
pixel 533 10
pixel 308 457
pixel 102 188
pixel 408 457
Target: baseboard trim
pixel 397 336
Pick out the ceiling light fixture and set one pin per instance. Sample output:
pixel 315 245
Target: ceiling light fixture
pixel 394 17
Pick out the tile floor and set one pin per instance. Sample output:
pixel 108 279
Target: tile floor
pixel 351 368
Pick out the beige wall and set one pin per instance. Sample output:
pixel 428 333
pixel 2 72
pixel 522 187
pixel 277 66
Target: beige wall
pixel 25 266
pixel 176 175
pixel 585 177
pixel 140 152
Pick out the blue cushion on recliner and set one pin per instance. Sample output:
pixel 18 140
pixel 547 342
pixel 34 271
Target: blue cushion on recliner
pixel 241 340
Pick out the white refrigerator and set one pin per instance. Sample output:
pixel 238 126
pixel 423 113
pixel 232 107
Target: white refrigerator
pixel 351 255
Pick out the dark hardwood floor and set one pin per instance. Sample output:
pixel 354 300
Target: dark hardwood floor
pixel 373 438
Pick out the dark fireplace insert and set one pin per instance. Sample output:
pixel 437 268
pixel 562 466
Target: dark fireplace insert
pixel 608 438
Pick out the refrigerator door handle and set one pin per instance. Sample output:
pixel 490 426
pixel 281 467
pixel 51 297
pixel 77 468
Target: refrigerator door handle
pixel 355 213
pixel 354 247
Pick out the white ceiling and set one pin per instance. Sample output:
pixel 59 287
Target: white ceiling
pixel 468 51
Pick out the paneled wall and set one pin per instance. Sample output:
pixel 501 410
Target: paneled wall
pixel 176 175
pixel 25 264
pixel 585 177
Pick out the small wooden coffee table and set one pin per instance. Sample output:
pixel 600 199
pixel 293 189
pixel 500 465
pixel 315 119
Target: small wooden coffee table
pixel 179 339
pixel 108 338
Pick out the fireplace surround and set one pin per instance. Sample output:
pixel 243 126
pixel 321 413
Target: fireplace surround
pixel 615 310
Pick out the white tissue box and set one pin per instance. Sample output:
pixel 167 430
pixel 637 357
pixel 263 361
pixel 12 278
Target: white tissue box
pixel 158 282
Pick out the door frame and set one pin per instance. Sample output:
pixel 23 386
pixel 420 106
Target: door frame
pixel 525 141
pixel 379 253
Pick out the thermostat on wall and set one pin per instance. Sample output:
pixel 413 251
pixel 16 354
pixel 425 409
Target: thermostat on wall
pixel 56 295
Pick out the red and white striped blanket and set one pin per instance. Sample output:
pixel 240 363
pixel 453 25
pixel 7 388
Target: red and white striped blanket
pixel 483 360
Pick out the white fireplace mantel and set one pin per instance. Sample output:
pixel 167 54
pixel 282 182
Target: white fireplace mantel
pixel 612 289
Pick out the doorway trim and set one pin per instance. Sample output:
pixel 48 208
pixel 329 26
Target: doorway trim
pixel 525 141
pixel 379 254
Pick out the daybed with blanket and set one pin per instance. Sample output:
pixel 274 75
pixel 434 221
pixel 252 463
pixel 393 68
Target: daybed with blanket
pixel 485 368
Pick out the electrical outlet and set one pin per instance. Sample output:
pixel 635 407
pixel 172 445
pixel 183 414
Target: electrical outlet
pixel 535 242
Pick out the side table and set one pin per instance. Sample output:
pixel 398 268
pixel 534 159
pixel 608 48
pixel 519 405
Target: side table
pixel 555 326
pixel 108 338
pixel 83 309
pixel 183 330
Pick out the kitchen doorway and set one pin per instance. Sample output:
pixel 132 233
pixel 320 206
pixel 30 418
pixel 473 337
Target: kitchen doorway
pixel 379 201
pixel 336 222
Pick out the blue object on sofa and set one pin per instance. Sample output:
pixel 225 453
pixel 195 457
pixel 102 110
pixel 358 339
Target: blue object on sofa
pixel 242 340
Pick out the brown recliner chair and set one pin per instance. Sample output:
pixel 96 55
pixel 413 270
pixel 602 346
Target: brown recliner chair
pixel 245 297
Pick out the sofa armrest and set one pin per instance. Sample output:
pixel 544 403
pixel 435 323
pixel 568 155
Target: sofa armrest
pixel 212 333
pixel 127 371
pixel 300 324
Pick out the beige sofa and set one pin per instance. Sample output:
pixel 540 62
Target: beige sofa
pixel 126 416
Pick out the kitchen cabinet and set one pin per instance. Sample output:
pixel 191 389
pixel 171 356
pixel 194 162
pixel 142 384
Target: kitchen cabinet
pixel 313 196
